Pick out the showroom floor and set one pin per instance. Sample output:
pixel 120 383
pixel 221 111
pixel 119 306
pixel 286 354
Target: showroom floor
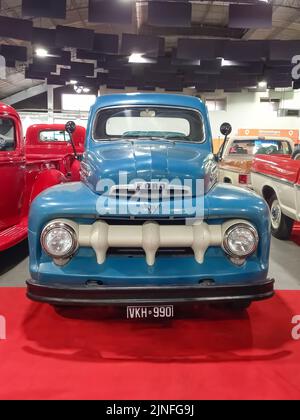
pixel 284 268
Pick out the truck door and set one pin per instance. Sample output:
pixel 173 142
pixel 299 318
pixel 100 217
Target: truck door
pixel 12 172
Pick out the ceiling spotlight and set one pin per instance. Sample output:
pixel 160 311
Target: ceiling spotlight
pixel 137 58
pixel 78 89
pixel 81 89
pixel 262 84
pixel 41 52
pixel 73 82
pixel 226 63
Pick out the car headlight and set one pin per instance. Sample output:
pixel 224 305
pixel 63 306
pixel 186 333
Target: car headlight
pixel 240 240
pixel 59 240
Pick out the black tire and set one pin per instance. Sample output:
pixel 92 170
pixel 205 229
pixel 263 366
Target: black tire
pixel 296 154
pixel 281 225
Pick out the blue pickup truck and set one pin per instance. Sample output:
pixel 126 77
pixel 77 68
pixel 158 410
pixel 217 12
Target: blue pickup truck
pixel 149 225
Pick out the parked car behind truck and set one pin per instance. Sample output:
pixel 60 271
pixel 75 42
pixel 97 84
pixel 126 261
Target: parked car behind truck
pixel 121 235
pixel 277 179
pixel 237 154
pixel 25 171
pixel 52 141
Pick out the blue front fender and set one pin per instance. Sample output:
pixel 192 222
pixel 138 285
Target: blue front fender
pixel 77 202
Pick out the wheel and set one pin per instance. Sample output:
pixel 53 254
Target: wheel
pixel 227 181
pixel 281 225
pixel 296 154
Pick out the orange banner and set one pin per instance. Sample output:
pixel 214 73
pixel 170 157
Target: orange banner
pixel 260 132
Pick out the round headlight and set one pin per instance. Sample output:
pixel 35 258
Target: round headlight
pixel 241 240
pixel 59 240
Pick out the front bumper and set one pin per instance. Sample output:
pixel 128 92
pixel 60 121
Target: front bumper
pixel 104 295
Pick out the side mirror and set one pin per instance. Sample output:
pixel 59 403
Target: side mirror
pixel 70 127
pixel 226 129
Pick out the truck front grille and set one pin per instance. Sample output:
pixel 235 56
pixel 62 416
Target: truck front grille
pixel 139 252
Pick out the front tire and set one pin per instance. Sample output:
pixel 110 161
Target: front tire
pixel 281 225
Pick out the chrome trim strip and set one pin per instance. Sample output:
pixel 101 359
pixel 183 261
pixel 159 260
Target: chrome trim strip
pixel 141 190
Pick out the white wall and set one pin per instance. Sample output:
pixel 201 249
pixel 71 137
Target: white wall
pixel 31 118
pixel 244 110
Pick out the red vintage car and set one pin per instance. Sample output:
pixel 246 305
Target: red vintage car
pixel 25 171
pixel 277 179
pixel 51 141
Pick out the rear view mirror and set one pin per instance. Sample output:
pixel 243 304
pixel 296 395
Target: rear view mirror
pixel 70 127
pixel 226 129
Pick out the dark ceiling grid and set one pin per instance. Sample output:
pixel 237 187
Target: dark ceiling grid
pixel 250 16
pixel 170 14
pixel 54 9
pixel 109 11
pixel 103 58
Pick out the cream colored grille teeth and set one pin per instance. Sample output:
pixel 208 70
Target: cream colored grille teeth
pixel 151 236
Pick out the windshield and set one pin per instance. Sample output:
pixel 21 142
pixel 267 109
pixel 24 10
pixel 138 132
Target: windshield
pixel 144 122
pixel 260 147
pixel 7 135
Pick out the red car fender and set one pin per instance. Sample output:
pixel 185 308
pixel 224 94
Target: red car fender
pixel 45 180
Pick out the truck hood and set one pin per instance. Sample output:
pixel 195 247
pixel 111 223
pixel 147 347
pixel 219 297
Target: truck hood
pixel 151 160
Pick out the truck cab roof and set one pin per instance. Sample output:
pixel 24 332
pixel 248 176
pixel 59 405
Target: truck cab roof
pixel 8 110
pixel 150 99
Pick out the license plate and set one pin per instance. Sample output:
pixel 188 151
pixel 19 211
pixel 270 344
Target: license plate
pixel 155 312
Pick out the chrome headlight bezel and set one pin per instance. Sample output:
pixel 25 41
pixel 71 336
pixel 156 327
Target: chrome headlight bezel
pixel 59 225
pixel 226 247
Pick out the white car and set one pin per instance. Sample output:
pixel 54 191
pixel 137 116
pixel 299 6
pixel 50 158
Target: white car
pixel 237 153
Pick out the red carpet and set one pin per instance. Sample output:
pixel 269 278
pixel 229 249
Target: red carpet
pixel 204 354
pixel 296 234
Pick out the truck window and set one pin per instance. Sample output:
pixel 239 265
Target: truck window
pixel 260 147
pixel 7 135
pixel 54 136
pixel 157 122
